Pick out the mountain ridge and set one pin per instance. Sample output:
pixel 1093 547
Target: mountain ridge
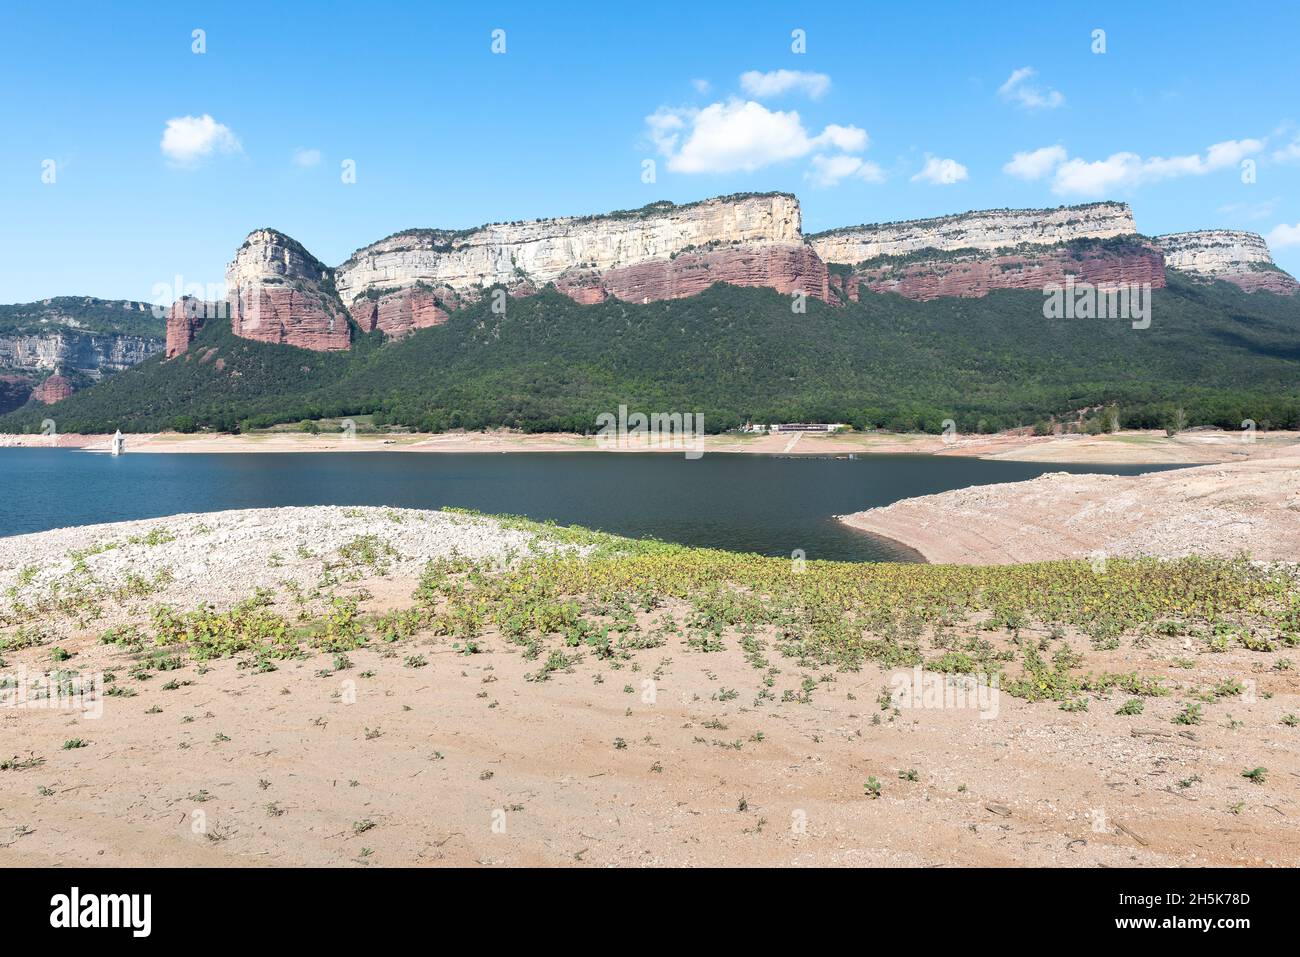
pixel 415 278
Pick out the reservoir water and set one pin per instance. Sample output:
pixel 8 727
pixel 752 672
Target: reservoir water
pixel 767 504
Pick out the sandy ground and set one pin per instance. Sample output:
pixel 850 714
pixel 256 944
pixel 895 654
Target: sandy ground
pixel 1132 447
pixel 1251 507
pixel 667 758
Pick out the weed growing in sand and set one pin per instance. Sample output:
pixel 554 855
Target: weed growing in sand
pixel 156 536
pixel 21 764
pixel 365 551
pixel 872 788
pixel 1256 775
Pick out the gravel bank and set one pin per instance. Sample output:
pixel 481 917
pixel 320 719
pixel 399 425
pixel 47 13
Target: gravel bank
pixel 221 558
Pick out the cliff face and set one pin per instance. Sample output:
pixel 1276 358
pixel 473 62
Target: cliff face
pixel 987 230
pixel 972 254
pixel 186 317
pixel 662 251
pixel 92 337
pixel 400 311
pixel 1106 265
pixel 278 292
pixel 95 354
pixel 1238 257
pixel 54 389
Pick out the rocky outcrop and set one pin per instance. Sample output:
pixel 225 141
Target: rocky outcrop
pixel 278 292
pixel 1240 258
pixel 186 317
pixel 987 230
pixel 661 251
pixel 399 311
pixel 1105 264
pixel 54 389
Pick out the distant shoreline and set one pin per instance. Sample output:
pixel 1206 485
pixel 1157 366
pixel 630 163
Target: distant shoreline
pixel 1150 447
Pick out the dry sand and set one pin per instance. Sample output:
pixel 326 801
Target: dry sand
pixel 1248 507
pixel 1131 447
pixel 464 761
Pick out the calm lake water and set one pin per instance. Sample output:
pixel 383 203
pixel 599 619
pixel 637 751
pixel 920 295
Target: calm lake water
pixel 766 504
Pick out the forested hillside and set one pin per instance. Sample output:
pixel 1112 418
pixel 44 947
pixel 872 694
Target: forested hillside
pixel 734 354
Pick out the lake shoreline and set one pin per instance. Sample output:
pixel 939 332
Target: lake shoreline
pixel 1223 510
pixel 1130 447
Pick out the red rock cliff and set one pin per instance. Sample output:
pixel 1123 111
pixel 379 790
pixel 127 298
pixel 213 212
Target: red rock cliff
pixel 401 311
pixel 54 389
pixel 278 292
pixel 975 275
pixel 185 318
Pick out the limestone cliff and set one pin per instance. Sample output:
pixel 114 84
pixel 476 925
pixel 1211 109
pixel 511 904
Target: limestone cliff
pixel 661 251
pixel 92 353
pixel 92 337
pixel 1104 263
pixel 278 292
pixel 1238 257
pixel 972 254
pixel 987 230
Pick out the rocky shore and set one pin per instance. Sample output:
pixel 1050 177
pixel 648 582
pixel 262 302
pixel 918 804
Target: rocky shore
pixel 118 572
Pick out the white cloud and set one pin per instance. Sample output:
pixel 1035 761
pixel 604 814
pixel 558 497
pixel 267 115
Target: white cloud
pixel 1287 154
pixel 1219 156
pixel 701 85
pixel 740 135
pixel 851 139
pixel 1035 164
pixel 1026 95
pixel 1284 235
pixel 1125 170
pixel 303 157
pixel 777 82
pixel 187 139
pixel 831 170
pixel 1098 177
pixel 940 172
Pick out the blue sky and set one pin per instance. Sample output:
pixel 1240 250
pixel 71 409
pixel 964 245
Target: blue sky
pixel 894 111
